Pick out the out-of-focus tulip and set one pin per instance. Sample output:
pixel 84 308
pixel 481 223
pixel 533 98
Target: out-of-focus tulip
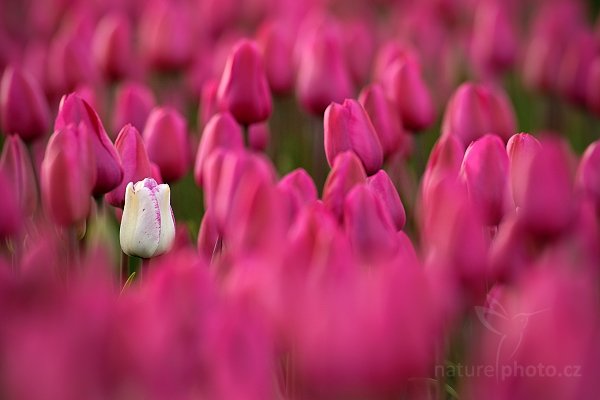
pixel 222 131
pixel 243 90
pixel 485 171
pixel 410 94
pixel 368 226
pixel 444 162
pixel 258 136
pixel 359 48
pixel 167 142
pixel 276 41
pixel 574 74
pixel 348 127
pixel 208 235
pixel 74 110
pixel 383 188
pixel 17 166
pixel 112 46
pixel 164 30
pixel 475 110
pixel 588 174
pixel 10 212
pixel 136 165
pixel 23 108
pixel 593 87
pixel 548 202
pixel 347 171
pixel 384 118
pixel 70 63
pixel 521 149
pixel 209 105
pixel 147 226
pixel 68 175
pixel 133 103
pixel 323 76
pixel 300 189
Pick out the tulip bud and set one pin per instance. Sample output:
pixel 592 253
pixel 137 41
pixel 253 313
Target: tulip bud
pixel 208 102
pixel 300 190
pixel 136 165
pixel 575 67
pixel 112 46
pixel 485 171
pixel 23 108
pixel 588 173
pixel 359 48
pixel 258 136
pixel 222 131
pixel 17 166
pixel 208 236
pixel 346 172
pixel 68 175
pixel 147 226
pixel 243 90
pixel 167 143
pixel 444 162
pixel 383 188
pixel 386 122
pixel 323 76
pixel 410 94
pixel 10 212
pixel 70 62
pixel 74 110
pixel 521 149
pixel 133 103
pixel 276 41
pixel 348 127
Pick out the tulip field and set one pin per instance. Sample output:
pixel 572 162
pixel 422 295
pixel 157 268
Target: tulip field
pixel 299 200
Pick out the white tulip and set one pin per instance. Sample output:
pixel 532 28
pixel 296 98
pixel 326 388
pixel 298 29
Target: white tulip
pixel 147 225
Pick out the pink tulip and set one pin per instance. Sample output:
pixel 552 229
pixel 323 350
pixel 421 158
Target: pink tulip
pixel 222 131
pixel 593 84
pixel 112 46
pixel 208 102
pixel 588 173
pixel 347 171
pixel 243 90
pixel 136 165
pixel 444 163
pixel 575 67
pixel 384 118
pixel 17 167
pixel 276 41
pixel 10 210
pixel 76 111
pixel 23 108
pixel 133 103
pixel 485 171
pixel 359 48
pixel 258 136
pixel 68 175
pixel 521 149
pixel 167 143
pixel 208 236
pixel 383 188
pixel 348 127
pixel 300 189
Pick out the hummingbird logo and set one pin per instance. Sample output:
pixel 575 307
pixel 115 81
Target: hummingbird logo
pixel 510 328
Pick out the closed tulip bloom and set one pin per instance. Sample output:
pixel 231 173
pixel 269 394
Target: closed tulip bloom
pixel 348 127
pixel 323 76
pixel 133 103
pixel 276 41
pixel 258 136
pixel 593 87
pixel 588 174
pixel 347 171
pixel 575 67
pixel 70 62
pixel 209 105
pixel 410 94
pixel 147 226
pixel 301 183
pixel 521 148
pixel 17 166
pixel 243 90
pixel 10 212
pixel 136 164
pixel 74 110
pixel 222 131
pixel 383 188
pixel 68 176
pixel 23 108
pixel 112 46
pixel 485 171
pixel 386 122
pixel 167 142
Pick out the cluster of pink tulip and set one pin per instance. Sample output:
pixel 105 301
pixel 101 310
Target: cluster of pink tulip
pixel 374 268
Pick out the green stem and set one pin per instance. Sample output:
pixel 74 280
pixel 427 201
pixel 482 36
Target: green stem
pixel 123 269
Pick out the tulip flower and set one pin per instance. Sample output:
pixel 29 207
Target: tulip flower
pixel 359 47
pixel 383 188
pixel 23 108
pixel 485 171
pixel 147 226
pixel 68 175
pixel 243 90
pixel 521 149
pixel 222 131
pixel 208 102
pixel 588 174
pixel 112 46
pixel 346 172
pixel 276 41
pixel 136 164
pixel 10 212
pixel 74 110
pixel 576 67
pixel 133 103
pixel 167 142
pixel 348 127
pixel 17 166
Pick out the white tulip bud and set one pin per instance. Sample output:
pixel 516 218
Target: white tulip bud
pixel 147 225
